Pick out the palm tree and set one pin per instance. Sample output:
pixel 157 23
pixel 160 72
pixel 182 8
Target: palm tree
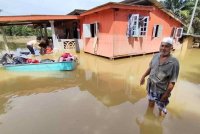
pixel 183 10
pixel 175 6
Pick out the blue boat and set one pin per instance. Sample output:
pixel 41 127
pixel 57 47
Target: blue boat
pixel 52 66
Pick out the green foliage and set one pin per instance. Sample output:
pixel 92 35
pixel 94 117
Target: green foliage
pixel 22 30
pixel 183 9
pixel 19 31
pixel 175 6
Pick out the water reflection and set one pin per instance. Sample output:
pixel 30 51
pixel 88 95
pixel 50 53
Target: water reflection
pixel 190 66
pixel 150 123
pixel 111 82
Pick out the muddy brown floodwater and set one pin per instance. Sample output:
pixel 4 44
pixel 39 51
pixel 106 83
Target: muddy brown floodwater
pixel 101 96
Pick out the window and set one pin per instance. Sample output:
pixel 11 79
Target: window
pixel 90 30
pixel 143 23
pixel 157 30
pixel 93 29
pixel 137 25
pixel 177 32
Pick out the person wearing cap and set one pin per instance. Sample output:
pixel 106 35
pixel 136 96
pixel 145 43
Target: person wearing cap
pixel 163 73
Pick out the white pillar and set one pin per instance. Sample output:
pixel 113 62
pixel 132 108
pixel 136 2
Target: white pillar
pixel 54 38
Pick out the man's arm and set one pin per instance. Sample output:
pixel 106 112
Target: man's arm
pixel 144 75
pixel 36 45
pixel 172 81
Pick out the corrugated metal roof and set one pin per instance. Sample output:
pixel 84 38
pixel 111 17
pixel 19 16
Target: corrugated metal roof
pixel 77 12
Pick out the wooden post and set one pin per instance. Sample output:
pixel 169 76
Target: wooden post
pixel 40 29
pixel 45 31
pixel 77 46
pixel 4 39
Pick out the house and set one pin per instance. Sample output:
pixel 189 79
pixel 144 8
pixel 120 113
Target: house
pixel 63 28
pixel 131 27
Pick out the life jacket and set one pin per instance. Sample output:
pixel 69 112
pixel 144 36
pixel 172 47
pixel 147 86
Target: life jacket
pixel 32 61
pixel 48 50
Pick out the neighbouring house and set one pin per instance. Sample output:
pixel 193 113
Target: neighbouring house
pixel 130 27
pixel 190 41
pixel 63 27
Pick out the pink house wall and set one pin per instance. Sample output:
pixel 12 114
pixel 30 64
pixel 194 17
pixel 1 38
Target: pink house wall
pixel 105 36
pixel 112 38
pixel 139 45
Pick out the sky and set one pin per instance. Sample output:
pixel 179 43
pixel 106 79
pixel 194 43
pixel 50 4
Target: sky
pixel 43 7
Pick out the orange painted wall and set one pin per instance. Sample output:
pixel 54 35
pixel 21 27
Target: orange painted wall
pixel 123 45
pixel 105 35
pixel 113 41
pixel 140 45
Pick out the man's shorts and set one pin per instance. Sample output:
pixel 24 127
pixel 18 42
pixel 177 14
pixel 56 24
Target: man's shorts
pixel 156 96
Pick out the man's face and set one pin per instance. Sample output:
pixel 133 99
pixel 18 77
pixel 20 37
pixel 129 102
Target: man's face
pixel 165 49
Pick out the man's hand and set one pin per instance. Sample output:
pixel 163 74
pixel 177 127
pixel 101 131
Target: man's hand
pixel 145 74
pixel 142 81
pixel 168 91
pixel 164 96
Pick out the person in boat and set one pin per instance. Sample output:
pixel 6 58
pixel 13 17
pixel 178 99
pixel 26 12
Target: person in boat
pixel 163 73
pixel 33 45
pixel 43 45
pixel 46 47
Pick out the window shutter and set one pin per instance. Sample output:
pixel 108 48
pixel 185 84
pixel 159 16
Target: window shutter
pixel 160 28
pixel 143 25
pixel 133 25
pixel 86 31
pixel 173 32
pixel 147 25
pixel 154 30
pixel 97 28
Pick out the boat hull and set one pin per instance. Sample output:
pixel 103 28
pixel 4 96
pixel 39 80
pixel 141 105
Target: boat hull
pixel 53 66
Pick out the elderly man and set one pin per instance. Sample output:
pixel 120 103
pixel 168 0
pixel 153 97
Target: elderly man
pixel 163 73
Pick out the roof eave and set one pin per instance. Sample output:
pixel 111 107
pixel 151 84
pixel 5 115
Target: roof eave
pixel 37 18
pixel 112 5
pixel 158 5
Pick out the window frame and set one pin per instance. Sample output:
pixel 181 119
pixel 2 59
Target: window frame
pixel 90 30
pixel 135 29
pixel 157 30
pixel 177 31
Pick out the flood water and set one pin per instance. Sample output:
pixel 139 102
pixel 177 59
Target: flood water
pixel 101 96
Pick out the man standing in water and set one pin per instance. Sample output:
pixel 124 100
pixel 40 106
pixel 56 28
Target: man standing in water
pixel 163 73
